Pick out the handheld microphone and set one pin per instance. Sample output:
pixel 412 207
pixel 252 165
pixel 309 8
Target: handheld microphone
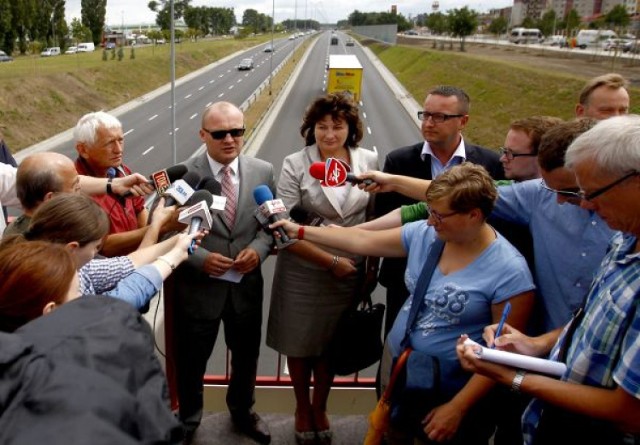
pixel 181 190
pixel 162 179
pixel 198 215
pixel 270 208
pixel 333 173
pixel 215 188
pixel 302 216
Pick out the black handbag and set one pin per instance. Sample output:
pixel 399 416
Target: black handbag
pixel 357 343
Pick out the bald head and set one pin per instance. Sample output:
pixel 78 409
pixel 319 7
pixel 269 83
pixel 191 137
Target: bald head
pixel 43 174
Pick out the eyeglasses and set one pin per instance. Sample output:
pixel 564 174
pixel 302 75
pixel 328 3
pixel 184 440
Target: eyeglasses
pixel 436 118
pixel 438 216
pixel 594 194
pixel 221 134
pixel 510 155
pixel 570 193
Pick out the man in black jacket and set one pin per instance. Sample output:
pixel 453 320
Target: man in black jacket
pixel 444 116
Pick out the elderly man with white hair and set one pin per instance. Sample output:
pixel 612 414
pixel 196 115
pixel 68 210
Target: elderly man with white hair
pixel 99 141
pixel 597 399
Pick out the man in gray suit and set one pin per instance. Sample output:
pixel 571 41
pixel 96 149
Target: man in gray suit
pixel 204 293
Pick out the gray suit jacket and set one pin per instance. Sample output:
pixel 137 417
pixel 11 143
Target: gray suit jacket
pixel 197 294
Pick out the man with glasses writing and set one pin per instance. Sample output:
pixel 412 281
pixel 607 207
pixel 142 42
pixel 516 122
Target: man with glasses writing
pixel 445 114
pixel 222 280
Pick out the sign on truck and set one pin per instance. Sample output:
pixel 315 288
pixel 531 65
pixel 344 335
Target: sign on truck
pixel 345 74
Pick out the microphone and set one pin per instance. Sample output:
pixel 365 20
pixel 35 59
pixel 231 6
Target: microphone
pixel 162 179
pixel 198 215
pixel 181 190
pixel 337 175
pixel 270 208
pixel 210 184
pixel 304 217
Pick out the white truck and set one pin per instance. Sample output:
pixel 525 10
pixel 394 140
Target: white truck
pixel 86 47
pixel 594 37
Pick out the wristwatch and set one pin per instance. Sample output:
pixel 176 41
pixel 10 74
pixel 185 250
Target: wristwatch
pixel 109 189
pixel 517 381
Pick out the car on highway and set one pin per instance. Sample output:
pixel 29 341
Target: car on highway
pixel 615 44
pixel 268 48
pixel 4 57
pixel 71 50
pixel 245 64
pixel 350 42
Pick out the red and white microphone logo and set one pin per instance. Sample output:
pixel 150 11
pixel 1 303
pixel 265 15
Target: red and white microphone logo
pixel 335 172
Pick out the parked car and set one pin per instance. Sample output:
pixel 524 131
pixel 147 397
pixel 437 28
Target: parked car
pixel 110 45
pixel 86 47
pixel 614 44
pixel 50 52
pixel 268 48
pixel 71 50
pixel 4 57
pixel 560 41
pixel 245 64
pixel 350 42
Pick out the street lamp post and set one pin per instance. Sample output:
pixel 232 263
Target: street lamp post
pixel 273 22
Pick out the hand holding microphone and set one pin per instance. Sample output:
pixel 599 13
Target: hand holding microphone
pixel 271 209
pixel 335 173
pixel 141 186
pixel 198 215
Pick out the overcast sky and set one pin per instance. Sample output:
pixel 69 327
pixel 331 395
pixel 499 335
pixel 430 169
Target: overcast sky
pixel 323 11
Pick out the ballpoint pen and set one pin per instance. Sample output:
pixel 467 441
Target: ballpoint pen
pixel 503 318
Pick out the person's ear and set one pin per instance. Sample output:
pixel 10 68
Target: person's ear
pixel 73 245
pixel 49 307
pixel 82 149
pixel 579 110
pixel 48 196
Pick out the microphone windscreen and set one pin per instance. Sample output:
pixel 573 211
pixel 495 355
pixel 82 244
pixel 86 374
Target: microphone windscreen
pixel 210 184
pixel 261 194
pixel 191 178
pixel 176 172
pixel 298 214
pixel 316 170
pixel 200 195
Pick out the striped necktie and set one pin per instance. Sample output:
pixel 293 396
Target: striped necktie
pixel 229 191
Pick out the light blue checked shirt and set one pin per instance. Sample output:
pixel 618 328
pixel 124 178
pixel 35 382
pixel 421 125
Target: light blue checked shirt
pixel 117 278
pixel 605 348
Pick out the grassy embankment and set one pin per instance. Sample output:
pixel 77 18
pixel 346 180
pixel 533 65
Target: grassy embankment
pixel 500 92
pixel 40 97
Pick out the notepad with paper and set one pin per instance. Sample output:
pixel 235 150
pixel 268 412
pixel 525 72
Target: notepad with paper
pixel 520 361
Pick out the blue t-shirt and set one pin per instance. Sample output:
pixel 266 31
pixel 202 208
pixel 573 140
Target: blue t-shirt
pixel 460 302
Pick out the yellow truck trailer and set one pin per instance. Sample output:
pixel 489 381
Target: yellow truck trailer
pixel 345 74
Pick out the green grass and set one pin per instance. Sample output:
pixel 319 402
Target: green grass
pixel 40 97
pixel 500 92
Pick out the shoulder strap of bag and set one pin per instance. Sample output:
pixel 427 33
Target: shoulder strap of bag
pixel 422 285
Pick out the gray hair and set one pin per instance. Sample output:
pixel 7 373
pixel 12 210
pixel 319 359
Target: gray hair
pixel 612 145
pixel 88 125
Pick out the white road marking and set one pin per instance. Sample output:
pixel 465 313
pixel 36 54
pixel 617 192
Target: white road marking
pixel 194 116
pixel 188 96
pixel 231 87
pixel 148 150
pixel 369 130
pixel 201 88
pixel 364 115
pixel 129 132
pixel 375 149
pixel 220 95
pixel 153 117
pixel 209 104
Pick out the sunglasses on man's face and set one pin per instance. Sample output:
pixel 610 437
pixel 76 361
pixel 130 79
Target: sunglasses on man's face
pixel 221 134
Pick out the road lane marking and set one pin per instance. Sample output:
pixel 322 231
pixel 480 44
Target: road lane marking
pixel 148 150
pixel 220 95
pixel 375 149
pixel 201 88
pixel 369 130
pixel 211 81
pixel 129 132
pixel 208 105
pixel 153 117
pixel 188 96
pixel 194 116
pixel 364 115
pixel 231 87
